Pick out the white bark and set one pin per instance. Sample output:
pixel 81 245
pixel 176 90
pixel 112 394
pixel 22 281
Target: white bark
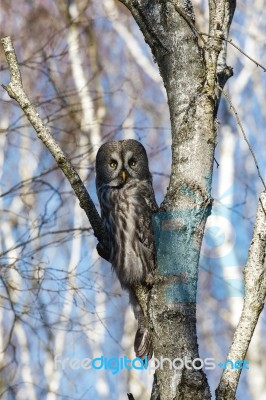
pixel 53 374
pixel 232 272
pixel 17 297
pixel 3 127
pixel 131 43
pixel 27 390
pixel 89 122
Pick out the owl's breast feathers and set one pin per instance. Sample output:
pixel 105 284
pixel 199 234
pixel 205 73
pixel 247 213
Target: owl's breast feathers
pixel 127 217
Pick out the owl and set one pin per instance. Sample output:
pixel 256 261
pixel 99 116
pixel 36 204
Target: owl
pixel 127 201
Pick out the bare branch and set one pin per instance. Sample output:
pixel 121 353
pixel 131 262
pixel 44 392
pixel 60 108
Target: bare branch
pixel 236 47
pixel 255 293
pixel 244 135
pixel 221 14
pixel 16 91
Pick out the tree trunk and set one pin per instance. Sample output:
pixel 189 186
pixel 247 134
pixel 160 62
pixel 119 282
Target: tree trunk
pixel 189 73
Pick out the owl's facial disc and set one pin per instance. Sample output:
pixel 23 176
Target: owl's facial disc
pixel 118 162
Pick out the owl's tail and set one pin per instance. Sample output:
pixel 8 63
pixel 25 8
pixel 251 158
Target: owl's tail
pixel 143 344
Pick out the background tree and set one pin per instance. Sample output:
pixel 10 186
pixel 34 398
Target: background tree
pixel 50 295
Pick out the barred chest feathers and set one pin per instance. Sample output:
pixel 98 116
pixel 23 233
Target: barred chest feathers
pixel 127 214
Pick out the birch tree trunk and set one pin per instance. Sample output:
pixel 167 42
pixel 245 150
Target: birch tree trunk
pixel 190 74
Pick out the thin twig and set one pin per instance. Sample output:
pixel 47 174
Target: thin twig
pixel 16 91
pixel 244 135
pixel 238 48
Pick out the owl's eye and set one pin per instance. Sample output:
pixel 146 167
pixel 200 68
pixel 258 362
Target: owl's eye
pixel 132 162
pixel 113 164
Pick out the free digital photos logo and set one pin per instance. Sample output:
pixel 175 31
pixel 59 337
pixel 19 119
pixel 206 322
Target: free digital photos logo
pixel 116 365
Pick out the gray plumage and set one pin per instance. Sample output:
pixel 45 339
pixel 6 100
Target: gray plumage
pixel 125 192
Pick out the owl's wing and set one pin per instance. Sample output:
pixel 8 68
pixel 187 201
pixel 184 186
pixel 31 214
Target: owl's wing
pixel 144 225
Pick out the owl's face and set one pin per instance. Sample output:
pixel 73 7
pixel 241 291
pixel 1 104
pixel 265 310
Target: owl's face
pixel 118 162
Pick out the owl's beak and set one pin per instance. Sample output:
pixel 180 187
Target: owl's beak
pixel 123 175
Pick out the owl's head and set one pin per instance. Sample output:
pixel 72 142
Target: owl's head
pixel 118 162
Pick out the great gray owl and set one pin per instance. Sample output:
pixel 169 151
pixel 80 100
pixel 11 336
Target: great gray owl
pixel 125 192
